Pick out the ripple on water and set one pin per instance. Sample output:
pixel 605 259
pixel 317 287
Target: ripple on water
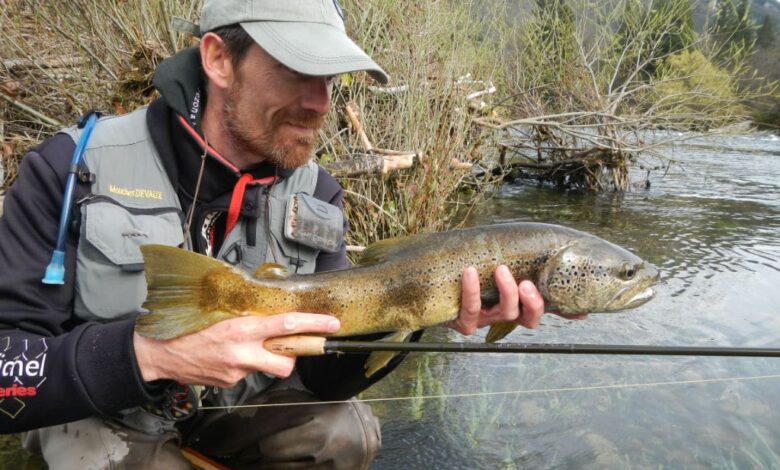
pixel 712 225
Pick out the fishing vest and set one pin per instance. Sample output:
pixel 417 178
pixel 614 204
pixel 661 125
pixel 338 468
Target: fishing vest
pixel 132 203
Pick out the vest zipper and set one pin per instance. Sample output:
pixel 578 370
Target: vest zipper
pixel 93 198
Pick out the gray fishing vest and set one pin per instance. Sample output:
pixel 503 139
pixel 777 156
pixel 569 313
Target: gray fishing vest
pixel 133 203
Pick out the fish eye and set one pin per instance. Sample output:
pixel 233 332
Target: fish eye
pixel 628 272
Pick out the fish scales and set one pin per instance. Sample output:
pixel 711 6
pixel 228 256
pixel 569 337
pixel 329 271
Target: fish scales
pixel 419 284
pixel 401 284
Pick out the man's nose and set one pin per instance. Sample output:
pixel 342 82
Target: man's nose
pixel 317 95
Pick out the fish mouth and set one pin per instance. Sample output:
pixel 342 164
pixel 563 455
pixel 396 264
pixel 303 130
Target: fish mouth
pixel 635 301
pixel 641 297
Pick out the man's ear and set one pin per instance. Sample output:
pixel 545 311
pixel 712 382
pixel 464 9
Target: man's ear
pixel 215 60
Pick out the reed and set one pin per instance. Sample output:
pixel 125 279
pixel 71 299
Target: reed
pixel 61 59
pixel 566 90
pixel 433 51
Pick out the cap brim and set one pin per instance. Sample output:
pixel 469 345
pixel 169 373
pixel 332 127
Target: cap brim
pixel 313 48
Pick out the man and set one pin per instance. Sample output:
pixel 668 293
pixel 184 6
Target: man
pixel 209 166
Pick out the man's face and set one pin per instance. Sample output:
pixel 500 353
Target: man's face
pixel 273 112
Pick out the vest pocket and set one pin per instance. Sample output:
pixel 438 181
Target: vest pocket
pixel 109 268
pixel 300 259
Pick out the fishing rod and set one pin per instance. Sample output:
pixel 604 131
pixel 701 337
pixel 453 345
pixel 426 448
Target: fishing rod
pixel 316 346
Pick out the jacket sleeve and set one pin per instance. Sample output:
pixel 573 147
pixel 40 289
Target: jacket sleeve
pixel 338 377
pixel 54 368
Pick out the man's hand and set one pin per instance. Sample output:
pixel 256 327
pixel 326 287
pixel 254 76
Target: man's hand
pixel 226 352
pixel 520 303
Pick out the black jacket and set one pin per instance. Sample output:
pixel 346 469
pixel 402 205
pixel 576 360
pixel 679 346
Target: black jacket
pixel 56 368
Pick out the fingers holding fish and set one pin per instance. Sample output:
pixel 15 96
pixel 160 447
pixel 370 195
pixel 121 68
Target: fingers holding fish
pixel 225 352
pixel 516 305
pixel 291 323
pixel 508 307
pixel 532 305
pixel 256 357
pixel 470 303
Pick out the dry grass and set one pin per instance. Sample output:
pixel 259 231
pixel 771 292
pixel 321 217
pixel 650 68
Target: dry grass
pixel 426 47
pixel 581 98
pixel 61 59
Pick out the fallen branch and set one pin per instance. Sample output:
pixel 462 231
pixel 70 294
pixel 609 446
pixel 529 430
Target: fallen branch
pixel 487 91
pixel 353 119
pixel 590 155
pixel 397 162
pixel 86 49
pixel 41 117
pixel 456 164
pixel 55 63
pixel 366 164
pixel 389 90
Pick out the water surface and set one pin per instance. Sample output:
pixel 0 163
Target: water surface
pixel 712 224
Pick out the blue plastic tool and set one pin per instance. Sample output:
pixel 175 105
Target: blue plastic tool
pixel 55 271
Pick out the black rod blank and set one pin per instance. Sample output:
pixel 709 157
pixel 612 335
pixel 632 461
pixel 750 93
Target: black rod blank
pixel 332 346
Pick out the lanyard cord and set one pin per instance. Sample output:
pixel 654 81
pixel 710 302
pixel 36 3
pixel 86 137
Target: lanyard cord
pixel 191 212
pixel 236 201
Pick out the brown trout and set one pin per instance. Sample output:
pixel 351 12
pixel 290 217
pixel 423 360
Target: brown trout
pixel 400 285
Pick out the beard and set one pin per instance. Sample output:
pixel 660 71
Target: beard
pixel 268 143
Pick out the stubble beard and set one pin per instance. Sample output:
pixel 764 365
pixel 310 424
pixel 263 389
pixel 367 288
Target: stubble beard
pixel 264 144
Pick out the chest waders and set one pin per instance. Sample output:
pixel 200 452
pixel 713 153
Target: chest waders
pixel 132 203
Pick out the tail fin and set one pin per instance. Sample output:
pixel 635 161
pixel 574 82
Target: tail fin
pixel 174 282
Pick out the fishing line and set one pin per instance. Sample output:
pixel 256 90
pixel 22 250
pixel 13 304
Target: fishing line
pixel 507 392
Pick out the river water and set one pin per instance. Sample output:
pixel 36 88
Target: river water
pixel 711 223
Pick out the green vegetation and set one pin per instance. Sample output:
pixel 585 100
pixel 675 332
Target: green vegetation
pixel 688 84
pixel 577 84
pixel 733 31
pixel 54 70
pixel 589 86
pixel 431 49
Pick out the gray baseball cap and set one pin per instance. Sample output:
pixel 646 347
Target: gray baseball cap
pixel 307 36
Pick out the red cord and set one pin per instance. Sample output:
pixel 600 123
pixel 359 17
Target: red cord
pixel 235 202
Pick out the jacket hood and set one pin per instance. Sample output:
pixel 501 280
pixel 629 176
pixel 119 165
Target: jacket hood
pixel 180 80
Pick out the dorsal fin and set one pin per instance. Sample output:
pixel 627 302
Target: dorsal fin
pixel 380 251
pixel 271 271
pixel 383 250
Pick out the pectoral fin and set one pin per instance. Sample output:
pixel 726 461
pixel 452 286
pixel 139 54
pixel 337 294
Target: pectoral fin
pixel 379 359
pixel 271 271
pixel 498 331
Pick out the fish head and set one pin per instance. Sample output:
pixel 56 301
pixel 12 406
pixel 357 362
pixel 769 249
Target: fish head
pixel 592 275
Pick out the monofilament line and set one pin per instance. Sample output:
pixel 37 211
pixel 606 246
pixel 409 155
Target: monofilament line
pixel 510 392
